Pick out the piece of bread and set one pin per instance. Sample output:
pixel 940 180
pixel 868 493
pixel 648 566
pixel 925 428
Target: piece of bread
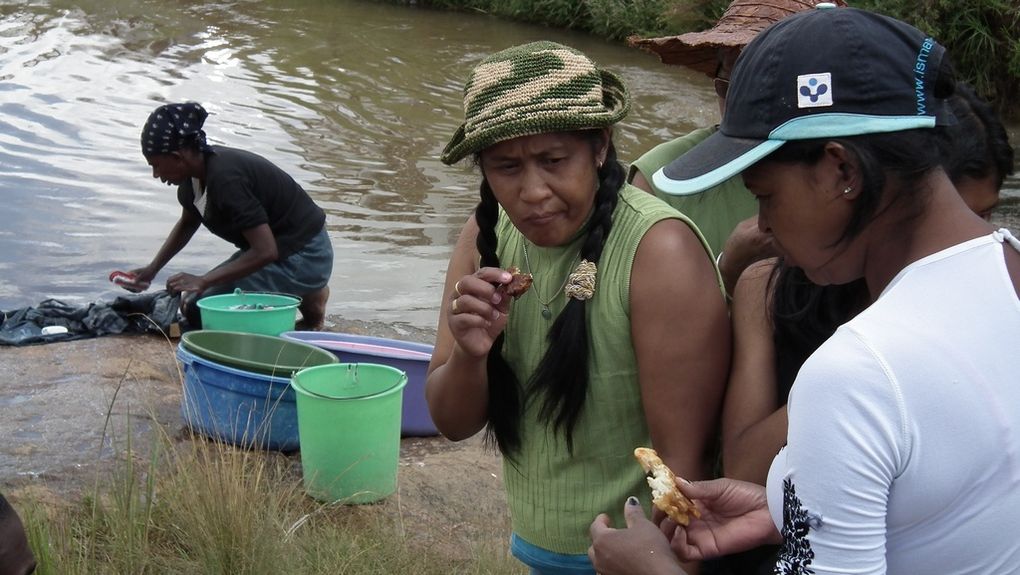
pixel 519 284
pixel 665 494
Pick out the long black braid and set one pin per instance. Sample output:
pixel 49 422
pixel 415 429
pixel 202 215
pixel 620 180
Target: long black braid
pixel 504 407
pixel 559 383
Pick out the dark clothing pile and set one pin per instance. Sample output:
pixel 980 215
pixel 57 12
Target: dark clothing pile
pixel 151 312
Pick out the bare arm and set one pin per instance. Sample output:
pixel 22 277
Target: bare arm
pixel 754 422
pixel 457 384
pixel 179 237
pixel 260 253
pixel 681 335
pixel 641 182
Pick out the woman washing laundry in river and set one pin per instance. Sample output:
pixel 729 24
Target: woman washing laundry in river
pixel 280 233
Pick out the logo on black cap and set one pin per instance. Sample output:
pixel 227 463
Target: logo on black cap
pixel 814 90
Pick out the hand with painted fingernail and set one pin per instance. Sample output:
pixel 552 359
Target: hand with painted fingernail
pixel 638 548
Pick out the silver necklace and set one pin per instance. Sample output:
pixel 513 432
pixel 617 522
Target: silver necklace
pixel 546 313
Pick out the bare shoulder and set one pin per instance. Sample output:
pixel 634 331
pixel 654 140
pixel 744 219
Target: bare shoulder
pixel 754 280
pixel 640 182
pixel 465 251
pixel 673 237
pixel 672 260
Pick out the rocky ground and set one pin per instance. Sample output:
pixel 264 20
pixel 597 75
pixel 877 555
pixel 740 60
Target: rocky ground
pixel 60 431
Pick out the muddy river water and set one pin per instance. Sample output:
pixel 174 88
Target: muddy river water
pixel 355 99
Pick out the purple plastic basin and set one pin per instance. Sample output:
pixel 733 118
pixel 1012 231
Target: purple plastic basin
pixel 409 357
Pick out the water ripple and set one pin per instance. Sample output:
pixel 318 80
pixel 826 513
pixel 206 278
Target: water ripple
pixel 355 99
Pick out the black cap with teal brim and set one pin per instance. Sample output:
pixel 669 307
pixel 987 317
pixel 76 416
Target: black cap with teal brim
pixel 823 73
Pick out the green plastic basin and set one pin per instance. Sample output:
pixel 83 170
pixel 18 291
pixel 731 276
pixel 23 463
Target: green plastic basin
pixel 265 354
pixel 250 312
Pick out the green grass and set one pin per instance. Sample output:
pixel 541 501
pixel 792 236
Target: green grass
pixel 195 506
pixel 201 507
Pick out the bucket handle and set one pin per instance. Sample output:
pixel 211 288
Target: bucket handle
pixel 316 394
pixel 350 366
pixel 242 293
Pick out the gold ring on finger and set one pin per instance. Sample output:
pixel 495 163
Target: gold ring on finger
pixel 456 288
pixel 453 306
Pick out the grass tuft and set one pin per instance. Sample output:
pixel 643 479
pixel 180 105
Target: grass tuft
pixel 189 505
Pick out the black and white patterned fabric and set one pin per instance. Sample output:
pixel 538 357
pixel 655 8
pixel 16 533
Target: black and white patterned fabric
pixel 171 126
pixel 795 555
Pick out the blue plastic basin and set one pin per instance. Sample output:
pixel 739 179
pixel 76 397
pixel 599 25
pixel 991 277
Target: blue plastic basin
pixel 409 357
pixel 236 406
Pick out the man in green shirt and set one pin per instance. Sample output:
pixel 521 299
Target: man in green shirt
pixel 725 214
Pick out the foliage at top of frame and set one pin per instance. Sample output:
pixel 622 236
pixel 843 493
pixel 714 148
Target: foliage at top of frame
pixel 982 36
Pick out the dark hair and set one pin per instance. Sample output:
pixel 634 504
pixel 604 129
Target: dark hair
pixel 557 383
pixel 906 156
pixel 804 315
pixel 977 143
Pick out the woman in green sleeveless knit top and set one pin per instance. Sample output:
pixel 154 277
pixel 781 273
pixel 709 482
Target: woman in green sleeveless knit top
pixel 623 339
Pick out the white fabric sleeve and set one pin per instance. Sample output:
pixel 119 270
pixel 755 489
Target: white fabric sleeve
pixel 847 441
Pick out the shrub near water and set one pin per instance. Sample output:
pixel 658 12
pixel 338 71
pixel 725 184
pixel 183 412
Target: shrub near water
pixel 208 508
pixel 611 19
pixel 983 36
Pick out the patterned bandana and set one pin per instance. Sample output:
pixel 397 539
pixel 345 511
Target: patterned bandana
pixel 171 126
pixel 534 89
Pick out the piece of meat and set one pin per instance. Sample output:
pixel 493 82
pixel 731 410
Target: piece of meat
pixel 519 284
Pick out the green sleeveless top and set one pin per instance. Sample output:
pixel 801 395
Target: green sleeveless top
pixel 554 496
pixel 716 210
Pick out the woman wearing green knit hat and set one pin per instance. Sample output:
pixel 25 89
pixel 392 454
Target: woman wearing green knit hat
pixel 623 338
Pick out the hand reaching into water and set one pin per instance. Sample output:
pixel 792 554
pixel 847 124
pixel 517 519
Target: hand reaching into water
pixel 734 517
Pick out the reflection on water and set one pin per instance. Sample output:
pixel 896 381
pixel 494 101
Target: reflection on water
pixel 355 99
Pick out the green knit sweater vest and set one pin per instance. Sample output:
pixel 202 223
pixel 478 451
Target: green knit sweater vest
pixel 554 496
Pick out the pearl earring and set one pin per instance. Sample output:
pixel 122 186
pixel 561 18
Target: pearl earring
pixel 847 190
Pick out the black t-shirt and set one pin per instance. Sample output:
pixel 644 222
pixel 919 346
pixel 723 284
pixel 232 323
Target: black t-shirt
pixel 245 190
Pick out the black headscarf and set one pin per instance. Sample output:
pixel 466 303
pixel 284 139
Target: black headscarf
pixel 172 126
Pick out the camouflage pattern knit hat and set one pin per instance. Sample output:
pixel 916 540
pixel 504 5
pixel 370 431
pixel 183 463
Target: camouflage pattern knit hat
pixel 534 89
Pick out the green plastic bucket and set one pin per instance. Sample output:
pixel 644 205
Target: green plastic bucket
pixel 249 312
pixel 349 430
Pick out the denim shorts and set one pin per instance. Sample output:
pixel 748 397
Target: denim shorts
pixel 300 273
pixel 545 562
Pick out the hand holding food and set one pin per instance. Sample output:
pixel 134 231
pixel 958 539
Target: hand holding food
pixel 665 494
pixel 519 284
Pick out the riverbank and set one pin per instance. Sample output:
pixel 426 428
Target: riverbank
pixel 82 414
pixel 983 36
